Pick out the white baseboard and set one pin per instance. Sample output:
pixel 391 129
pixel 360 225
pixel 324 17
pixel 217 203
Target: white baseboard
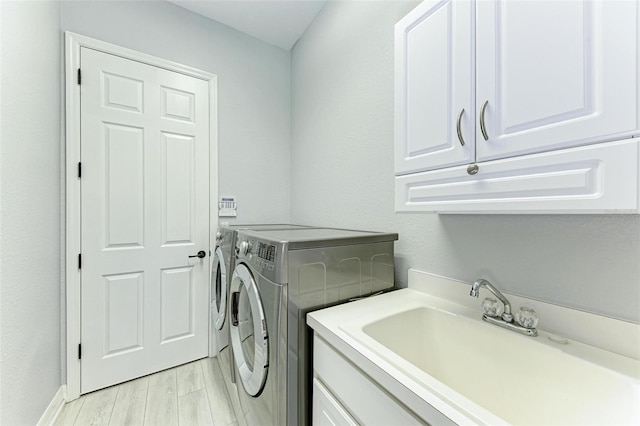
pixel 54 409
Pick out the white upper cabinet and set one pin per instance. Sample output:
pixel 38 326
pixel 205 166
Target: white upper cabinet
pixel 554 74
pixel 434 77
pixel 494 99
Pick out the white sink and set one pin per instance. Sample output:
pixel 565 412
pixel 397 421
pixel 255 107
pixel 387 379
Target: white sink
pixel 519 379
pixel 427 346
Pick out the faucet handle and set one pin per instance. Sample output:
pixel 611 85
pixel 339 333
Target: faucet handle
pixel 527 317
pixel 491 307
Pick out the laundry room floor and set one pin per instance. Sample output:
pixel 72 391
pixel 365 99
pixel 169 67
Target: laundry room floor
pixel 191 394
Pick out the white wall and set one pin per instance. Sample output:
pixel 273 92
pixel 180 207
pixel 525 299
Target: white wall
pixel 253 90
pixel 342 175
pixel 30 175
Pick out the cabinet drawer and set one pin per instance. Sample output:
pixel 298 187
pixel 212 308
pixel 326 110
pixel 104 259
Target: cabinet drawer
pixel 327 411
pixel 365 400
pixel 600 178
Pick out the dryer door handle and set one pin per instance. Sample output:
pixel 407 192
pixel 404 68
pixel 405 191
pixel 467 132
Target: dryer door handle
pixel 234 308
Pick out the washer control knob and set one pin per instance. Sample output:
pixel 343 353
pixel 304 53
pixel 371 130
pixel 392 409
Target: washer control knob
pixel 245 248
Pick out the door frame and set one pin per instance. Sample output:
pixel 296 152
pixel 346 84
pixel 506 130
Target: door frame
pixel 73 236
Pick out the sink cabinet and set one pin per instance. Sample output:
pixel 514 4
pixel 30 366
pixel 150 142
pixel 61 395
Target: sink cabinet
pixel 496 84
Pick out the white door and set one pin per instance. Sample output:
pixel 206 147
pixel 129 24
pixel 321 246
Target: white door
pixel 434 116
pixel 145 211
pixel 554 74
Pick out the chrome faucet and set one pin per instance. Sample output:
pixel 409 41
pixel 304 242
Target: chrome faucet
pixel 506 319
pixel 506 315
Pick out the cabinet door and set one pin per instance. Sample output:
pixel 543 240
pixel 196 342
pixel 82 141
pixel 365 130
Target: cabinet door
pixel 555 74
pixel 433 78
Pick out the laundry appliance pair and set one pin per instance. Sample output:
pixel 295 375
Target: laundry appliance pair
pixel 279 276
pixel 223 262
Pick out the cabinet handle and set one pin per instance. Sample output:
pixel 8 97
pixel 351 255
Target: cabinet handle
pixel 473 169
pixel 482 128
pixel 460 138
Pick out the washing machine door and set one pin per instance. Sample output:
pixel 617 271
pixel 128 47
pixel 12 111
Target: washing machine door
pixel 248 331
pixel 219 289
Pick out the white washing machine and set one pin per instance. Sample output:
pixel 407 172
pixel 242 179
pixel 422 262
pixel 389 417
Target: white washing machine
pixel 279 276
pixel 223 262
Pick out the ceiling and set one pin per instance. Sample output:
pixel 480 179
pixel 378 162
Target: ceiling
pixel 280 23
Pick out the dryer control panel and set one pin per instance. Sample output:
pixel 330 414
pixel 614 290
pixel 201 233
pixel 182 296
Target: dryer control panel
pixel 265 257
pixel 266 251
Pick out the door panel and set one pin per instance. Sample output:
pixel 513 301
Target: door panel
pixel 433 85
pixel 122 92
pixel 124 297
pixel 178 188
pixel 177 304
pixel 519 56
pixel 124 186
pixel 555 74
pixel 178 105
pixel 145 210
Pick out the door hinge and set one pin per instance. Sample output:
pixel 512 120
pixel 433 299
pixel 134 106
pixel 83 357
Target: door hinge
pixel 80 261
pixel 79 350
pixel 79 170
pixel 79 76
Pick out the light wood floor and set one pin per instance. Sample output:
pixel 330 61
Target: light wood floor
pixel 191 394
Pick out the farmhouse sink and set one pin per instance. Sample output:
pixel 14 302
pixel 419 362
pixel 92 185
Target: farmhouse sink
pixel 520 379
